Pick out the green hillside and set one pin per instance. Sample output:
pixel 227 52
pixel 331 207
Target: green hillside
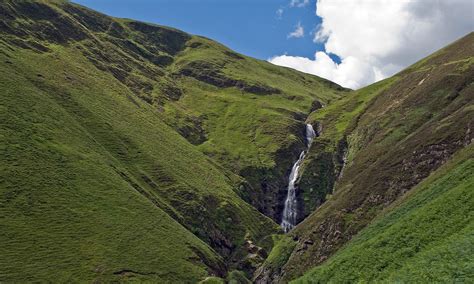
pixel 427 237
pixel 97 183
pixel 74 197
pixel 375 145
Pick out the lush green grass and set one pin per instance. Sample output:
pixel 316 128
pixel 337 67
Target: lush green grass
pixel 95 186
pixel 280 252
pixel 428 237
pixel 69 214
pixel 246 129
pixel 338 117
pixel 88 103
pixel 248 113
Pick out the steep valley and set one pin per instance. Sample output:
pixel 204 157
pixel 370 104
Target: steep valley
pixel 137 152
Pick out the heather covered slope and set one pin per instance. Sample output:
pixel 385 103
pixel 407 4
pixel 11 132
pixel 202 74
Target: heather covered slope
pixel 428 236
pixel 375 145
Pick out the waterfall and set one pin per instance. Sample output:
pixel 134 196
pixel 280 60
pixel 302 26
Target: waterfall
pixel 310 134
pixel 291 206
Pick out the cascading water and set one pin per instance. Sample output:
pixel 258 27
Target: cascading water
pixel 291 205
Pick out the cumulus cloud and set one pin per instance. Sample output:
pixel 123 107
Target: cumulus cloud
pixel 298 32
pixel 299 3
pixel 376 39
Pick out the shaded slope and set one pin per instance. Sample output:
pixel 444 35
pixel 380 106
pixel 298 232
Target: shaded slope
pixel 427 238
pixel 392 135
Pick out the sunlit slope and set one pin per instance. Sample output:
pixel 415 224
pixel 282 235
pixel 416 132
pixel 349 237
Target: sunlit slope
pixel 94 185
pixel 75 204
pixel 246 114
pixel 249 115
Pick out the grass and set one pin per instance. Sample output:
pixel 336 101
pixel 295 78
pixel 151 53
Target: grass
pixel 426 237
pixel 324 162
pixel 245 129
pixel 95 105
pixel 69 214
pixel 96 185
pixel 255 134
pixel 280 252
pixel 338 116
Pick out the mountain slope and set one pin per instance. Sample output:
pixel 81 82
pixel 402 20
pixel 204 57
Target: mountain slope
pixel 138 152
pixel 254 134
pixel 95 182
pixel 73 209
pixel 428 237
pixel 98 185
pixel 237 109
pixel 375 145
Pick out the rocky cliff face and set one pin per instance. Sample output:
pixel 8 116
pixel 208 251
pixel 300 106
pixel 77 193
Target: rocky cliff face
pixel 319 175
pixel 269 185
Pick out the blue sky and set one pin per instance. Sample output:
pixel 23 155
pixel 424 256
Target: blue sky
pixel 251 27
pixel 363 41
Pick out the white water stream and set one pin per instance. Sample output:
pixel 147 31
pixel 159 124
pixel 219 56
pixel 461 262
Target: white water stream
pixel 291 203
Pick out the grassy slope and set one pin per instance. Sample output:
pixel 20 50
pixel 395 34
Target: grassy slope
pixel 246 129
pixel 244 113
pixel 427 237
pixel 68 212
pixel 94 173
pixel 324 162
pixel 255 135
pixel 397 132
pixel 87 96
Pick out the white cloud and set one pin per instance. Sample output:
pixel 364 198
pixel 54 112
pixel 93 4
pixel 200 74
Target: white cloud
pixel 377 38
pixel 299 3
pixel 350 73
pixel 279 13
pixel 298 32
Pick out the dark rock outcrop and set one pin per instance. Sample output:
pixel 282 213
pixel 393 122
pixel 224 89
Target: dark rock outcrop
pixel 211 73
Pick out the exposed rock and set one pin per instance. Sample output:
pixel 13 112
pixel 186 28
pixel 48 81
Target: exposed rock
pixel 167 40
pixel 210 73
pixel 269 184
pixel 316 105
pixel 193 131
